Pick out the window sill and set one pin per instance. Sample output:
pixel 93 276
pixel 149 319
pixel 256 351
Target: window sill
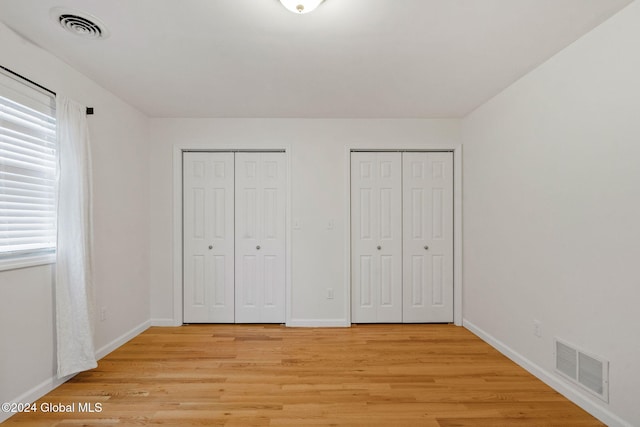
pixel 24 261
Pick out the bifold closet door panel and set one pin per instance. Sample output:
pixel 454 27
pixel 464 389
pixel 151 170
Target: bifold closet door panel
pixel 376 237
pixel 260 237
pixel 208 237
pixel 428 237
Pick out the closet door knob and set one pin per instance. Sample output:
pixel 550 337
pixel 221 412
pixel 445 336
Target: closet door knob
pixel 210 246
pixel 426 248
pixel 379 247
pixel 258 247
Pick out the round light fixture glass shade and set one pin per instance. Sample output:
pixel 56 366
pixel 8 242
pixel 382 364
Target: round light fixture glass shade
pixel 301 6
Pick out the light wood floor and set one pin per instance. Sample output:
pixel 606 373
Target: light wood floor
pixel 248 375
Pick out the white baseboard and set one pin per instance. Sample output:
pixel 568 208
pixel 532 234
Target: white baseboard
pixel 591 406
pixel 294 323
pixel 165 322
pixel 318 323
pixel 35 393
pixel 51 383
pixel 108 348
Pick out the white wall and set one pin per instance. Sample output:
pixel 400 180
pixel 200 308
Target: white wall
pixel 319 186
pixel 551 212
pixel 119 136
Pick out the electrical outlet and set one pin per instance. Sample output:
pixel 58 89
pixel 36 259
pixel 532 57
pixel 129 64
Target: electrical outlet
pixel 329 293
pixel 537 328
pixel 103 314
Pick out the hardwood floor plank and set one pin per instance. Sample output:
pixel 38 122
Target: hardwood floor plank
pixel 269 375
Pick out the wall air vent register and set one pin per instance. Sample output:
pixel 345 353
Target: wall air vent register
pixel 589 372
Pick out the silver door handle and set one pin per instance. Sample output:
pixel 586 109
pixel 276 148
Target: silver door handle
pixel 426 248
pixel 210 246
pixel 258 247
pixel 379 247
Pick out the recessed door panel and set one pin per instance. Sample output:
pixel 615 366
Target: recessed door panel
pixel 271 287
pixel 387 281
pixel 416 273
pixel 365 282
pixel 220 290
pixel 365 213
pixel 271 214
pixel 220 220
pixel 248 212
pixel 248 297
pixel 199 280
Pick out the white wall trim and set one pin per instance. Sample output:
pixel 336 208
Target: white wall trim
pixel 552 380
pixel 177 234
pixel 456 149
pixel 347 233
pixel 178 149
pixel 288 237
pixel 457 236
pixel 52 383
pixel 122 339
pixel 36 393
pixel 165 322
pixel 319 323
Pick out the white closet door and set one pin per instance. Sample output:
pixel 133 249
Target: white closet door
pixel 260 237
pixel 208 237
pixel 428 237
pixel 376 236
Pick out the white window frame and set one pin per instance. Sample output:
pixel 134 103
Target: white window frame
pixel 29 95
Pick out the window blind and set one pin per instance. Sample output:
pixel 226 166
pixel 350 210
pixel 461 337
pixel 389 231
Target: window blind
pixel 27 168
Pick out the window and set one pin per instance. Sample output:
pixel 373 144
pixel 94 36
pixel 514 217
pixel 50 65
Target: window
pixel 27 173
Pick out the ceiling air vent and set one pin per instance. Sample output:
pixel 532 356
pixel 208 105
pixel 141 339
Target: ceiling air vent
pixel 79 24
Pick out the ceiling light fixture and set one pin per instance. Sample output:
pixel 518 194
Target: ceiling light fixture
pixel 301 6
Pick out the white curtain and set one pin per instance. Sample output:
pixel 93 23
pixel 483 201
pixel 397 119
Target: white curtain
pixel 73 272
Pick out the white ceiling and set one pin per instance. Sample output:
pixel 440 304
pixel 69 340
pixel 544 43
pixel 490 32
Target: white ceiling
pixel 348 59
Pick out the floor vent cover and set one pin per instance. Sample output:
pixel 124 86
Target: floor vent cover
pixel 586 370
